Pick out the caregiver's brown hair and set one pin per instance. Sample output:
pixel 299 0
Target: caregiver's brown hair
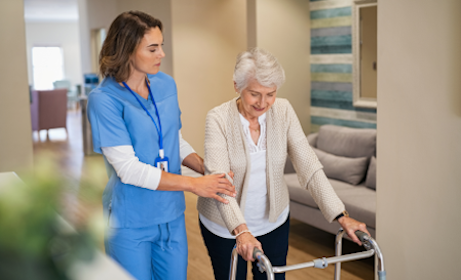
pixel 125 34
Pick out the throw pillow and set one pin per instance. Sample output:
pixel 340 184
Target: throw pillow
pixel 371 175
pixel 346 141
pixel 349 170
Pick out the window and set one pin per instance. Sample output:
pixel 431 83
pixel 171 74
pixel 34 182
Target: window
pixel 48 66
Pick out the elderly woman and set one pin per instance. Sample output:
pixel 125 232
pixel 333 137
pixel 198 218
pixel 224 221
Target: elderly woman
pixel 252 135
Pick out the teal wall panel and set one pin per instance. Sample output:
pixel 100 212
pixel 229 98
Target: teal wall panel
pixel 330 13
pixel 331 86
pixel 331 49
pixel 331 99
pixel 331 95
pixel 343 40
pixel 339 105
pixel 357 124
pixel 331 31
pixel 331 68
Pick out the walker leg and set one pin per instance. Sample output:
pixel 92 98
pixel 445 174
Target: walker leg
pixel 233 267
pixel 259 256
pixel 339 242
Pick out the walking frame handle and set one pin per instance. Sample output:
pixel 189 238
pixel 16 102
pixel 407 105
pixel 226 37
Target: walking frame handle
pixel 265 265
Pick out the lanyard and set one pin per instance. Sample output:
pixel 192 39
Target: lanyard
pixel 159 128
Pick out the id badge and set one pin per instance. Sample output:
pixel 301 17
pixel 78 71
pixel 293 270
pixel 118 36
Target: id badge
pixel 162 163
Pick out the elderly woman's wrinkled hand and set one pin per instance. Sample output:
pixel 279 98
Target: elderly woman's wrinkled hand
pixel 350 226
pixel 246 244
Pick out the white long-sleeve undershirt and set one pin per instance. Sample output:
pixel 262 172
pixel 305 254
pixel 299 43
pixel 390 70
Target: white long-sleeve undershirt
pixel 134 172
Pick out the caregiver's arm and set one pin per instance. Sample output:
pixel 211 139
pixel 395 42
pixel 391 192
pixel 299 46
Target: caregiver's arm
pixel 134 172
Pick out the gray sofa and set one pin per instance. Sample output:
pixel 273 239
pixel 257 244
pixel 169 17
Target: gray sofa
pixel 348 156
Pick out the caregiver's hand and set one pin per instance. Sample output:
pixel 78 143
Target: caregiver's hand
pixel 211 185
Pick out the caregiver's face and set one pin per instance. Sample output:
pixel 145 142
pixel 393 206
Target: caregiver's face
pixel 149 53
pixel 257 99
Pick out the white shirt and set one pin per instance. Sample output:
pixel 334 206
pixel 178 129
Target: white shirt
pixel 126 164
pixel 256 212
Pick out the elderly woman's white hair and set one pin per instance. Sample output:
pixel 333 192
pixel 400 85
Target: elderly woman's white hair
pixel 258 64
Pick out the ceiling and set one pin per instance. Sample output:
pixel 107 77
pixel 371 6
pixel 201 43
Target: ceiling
pixel 50 10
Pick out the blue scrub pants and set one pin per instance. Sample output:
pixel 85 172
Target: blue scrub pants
pixel 158 252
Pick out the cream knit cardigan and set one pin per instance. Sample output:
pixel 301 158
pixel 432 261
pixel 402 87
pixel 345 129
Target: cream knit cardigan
pixel 226 150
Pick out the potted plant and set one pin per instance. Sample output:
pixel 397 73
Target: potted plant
pixel 35 241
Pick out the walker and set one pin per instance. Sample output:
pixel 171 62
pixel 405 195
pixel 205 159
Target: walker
pixel 368 242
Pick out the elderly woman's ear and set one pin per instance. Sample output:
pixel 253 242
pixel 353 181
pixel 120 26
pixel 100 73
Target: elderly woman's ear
pixel 235 88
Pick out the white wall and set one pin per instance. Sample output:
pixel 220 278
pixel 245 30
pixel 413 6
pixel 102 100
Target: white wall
pixel 62 34
pixel 84 36
pixel 207 36
pixel 160 9
pixel 419 138
pixel 15 125
pixel 93 14
pixel 96 14
pixel 283 28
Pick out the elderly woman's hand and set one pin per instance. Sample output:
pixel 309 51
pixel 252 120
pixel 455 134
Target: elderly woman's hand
pixel 350 226
pixel 246 243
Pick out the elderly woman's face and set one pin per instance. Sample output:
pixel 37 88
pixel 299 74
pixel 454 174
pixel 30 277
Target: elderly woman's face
pixel 149 53
pixel 257 99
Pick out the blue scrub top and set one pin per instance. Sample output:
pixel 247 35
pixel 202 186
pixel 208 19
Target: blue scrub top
pixel 117 119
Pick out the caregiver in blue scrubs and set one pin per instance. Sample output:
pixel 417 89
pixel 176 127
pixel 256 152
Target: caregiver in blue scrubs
pixel 136 125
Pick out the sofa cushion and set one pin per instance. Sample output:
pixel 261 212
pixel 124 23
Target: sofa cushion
pixel 312 139
pixel 360 201
pixel 297 193
pixel 349 170
pixel 289 168
pixel 370 182
pixel 347 142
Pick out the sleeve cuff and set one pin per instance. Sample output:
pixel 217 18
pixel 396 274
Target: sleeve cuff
pixel 153 178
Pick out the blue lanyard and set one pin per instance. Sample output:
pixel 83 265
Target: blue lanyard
pixel 159 128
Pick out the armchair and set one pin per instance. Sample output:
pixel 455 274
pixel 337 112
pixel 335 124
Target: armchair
pixel 48 109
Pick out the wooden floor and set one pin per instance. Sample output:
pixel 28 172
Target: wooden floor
pixel 306 243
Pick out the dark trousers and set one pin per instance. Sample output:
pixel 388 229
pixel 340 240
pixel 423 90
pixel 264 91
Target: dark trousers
pixel 274 244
